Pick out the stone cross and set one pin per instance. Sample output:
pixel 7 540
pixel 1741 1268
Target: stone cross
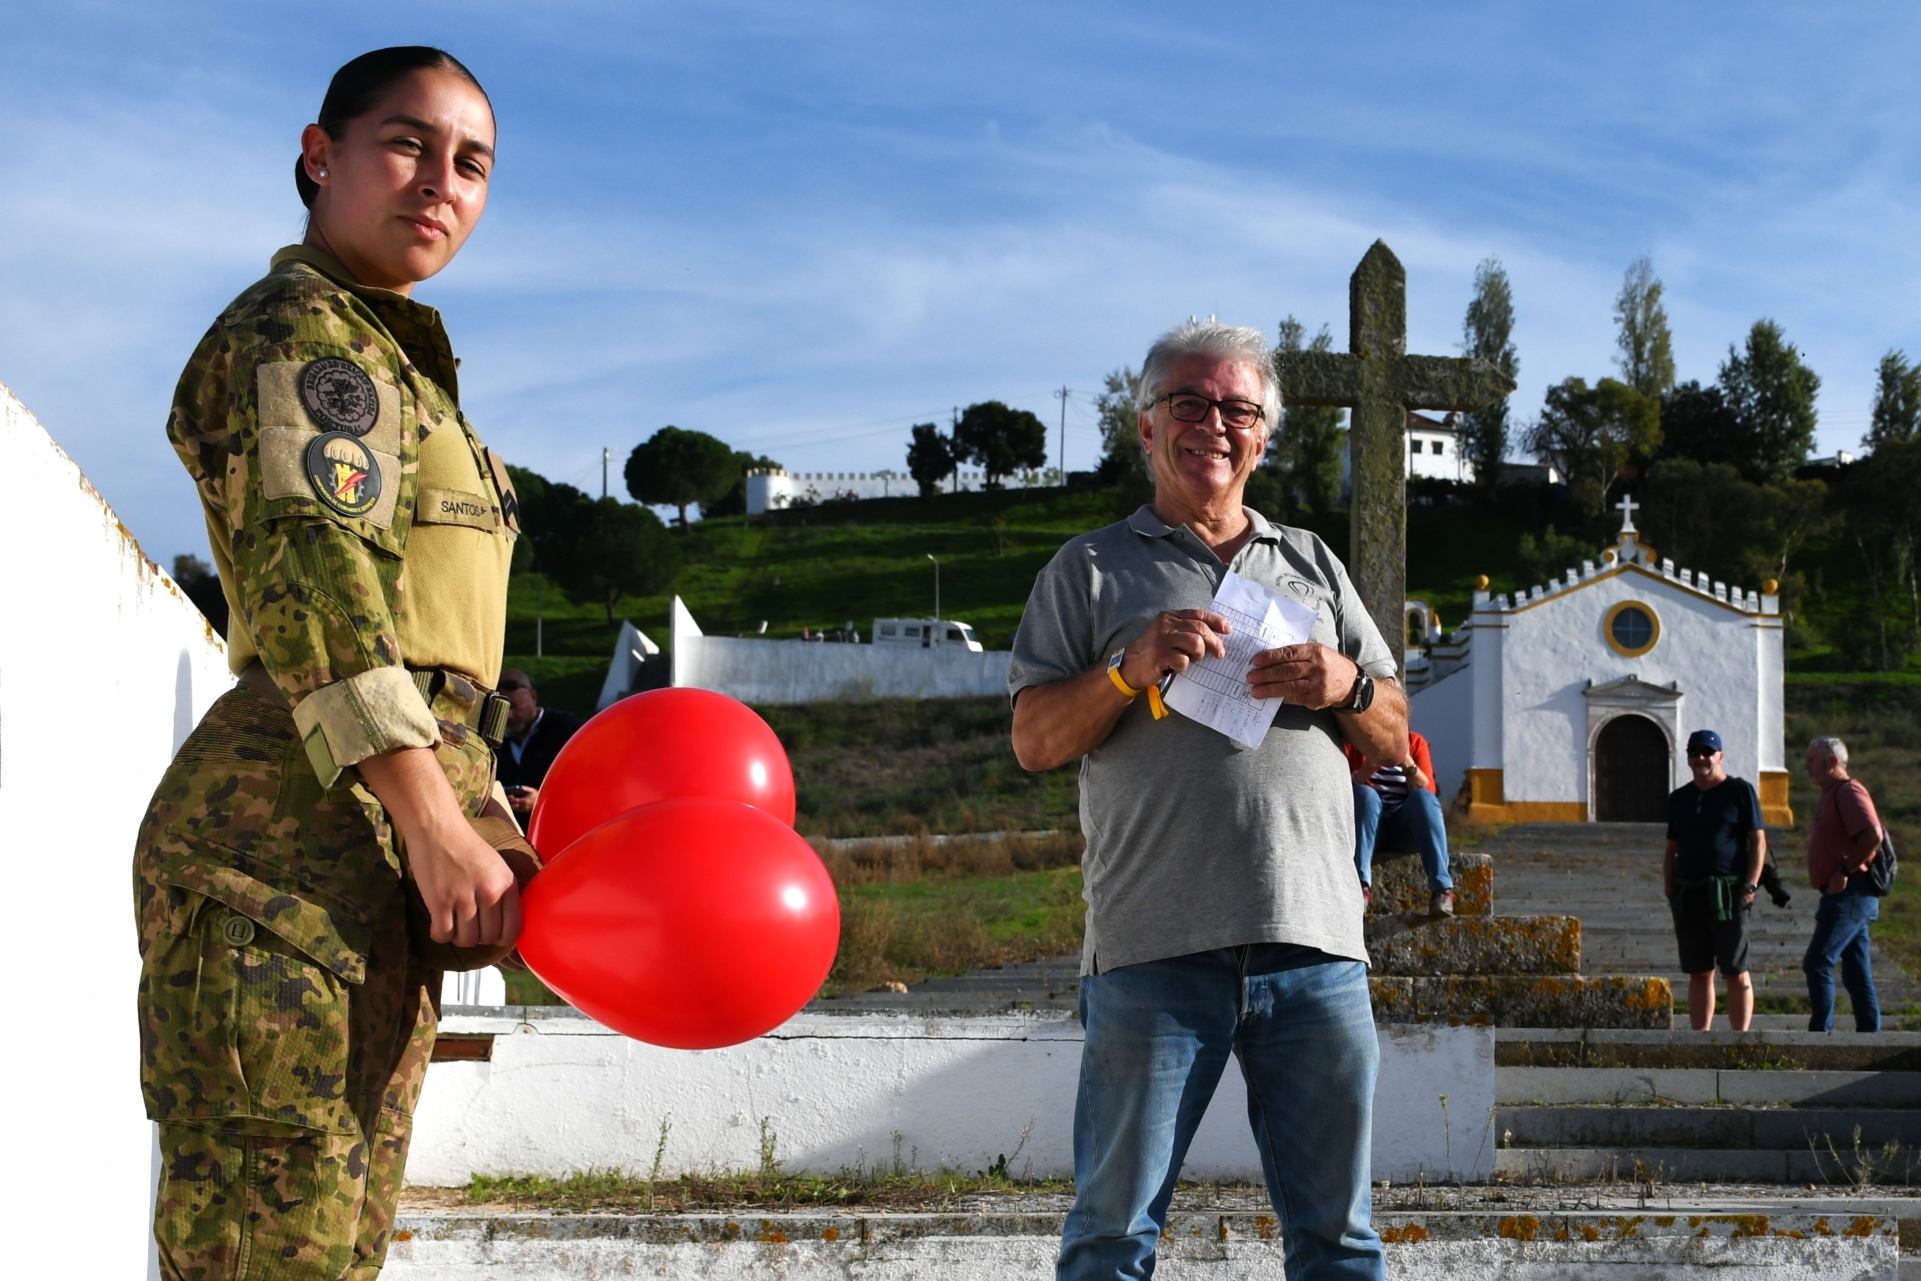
pixel 1627 507
pixel 1379 382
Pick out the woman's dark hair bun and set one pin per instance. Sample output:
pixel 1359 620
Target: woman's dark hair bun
pixel 360 85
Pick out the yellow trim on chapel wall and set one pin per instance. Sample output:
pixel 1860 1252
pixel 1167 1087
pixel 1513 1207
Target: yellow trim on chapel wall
pixel 1487 803
pixel 1607 628
pixel 1773 787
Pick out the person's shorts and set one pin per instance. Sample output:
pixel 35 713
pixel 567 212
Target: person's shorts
pixel 1705 943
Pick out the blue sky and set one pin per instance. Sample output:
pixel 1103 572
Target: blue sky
pixel 804 227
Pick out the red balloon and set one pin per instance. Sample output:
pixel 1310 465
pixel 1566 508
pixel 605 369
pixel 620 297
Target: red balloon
pixel 656 746
pixel 691 924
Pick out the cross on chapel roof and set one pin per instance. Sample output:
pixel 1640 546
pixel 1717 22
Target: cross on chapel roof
pixel 1627 507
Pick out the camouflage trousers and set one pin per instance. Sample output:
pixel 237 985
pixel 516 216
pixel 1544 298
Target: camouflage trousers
pixel 285 1028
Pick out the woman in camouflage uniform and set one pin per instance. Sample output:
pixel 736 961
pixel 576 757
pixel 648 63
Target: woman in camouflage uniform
pixel 363 535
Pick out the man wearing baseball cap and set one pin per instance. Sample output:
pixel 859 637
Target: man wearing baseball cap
pixel 1715 852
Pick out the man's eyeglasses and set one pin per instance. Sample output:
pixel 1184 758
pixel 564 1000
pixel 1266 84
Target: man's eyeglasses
pixel 1702 752
pixel 1236 415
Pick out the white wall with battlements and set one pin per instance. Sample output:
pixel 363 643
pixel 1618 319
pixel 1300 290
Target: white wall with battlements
pixel 104 668
pixel 1526 686
pixel 773 489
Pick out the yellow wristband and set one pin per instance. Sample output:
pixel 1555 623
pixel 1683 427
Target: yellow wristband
pixel 1114 674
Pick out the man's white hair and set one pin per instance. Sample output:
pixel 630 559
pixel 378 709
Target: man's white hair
pixel 1832 748
pixel 1224 342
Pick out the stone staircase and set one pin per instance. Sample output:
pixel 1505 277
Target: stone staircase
pixel 1479 967
pixel 1510 970
pixel 1680 1106
pixel 1609 875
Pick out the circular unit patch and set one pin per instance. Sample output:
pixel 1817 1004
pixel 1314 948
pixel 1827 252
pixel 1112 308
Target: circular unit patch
pixel 340 396
pixel 343 473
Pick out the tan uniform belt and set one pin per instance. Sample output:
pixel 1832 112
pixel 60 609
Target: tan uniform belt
pixel 487 714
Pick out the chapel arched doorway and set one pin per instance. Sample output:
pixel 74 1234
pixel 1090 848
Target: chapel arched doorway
pixel 1632 771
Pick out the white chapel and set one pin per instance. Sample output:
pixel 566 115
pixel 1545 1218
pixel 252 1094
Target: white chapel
pixel 1572 701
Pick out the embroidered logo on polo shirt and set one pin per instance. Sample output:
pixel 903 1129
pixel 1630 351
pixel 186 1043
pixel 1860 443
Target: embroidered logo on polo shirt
pixel 339 396
pixel 343 473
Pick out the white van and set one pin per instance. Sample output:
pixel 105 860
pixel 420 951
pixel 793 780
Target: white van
pixel 925 633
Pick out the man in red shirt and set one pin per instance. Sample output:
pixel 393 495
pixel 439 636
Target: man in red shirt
pixel 1843 840
pixel 1398 804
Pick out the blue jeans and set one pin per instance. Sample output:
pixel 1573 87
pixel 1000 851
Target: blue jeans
pixel 1158 1037
pixel 1841 934
pixel 1416 825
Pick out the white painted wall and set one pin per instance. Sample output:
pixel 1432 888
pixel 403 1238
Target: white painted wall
pixel 1555 647
pixel 104 668
pixel 773 490
pixel 1444 715
pixel 766 671
pixel 563 1093
pixel 1520 704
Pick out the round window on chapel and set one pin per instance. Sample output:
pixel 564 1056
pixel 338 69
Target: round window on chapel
pixel 1632 628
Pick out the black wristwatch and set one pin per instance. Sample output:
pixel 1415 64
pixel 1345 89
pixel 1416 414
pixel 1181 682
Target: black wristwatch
pixel 1363 696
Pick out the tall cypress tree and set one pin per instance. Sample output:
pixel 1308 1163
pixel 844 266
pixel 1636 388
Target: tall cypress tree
pixel 1488 333
pixel 1647 348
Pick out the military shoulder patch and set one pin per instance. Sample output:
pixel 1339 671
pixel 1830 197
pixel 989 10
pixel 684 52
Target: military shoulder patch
pixel 339 396
pixel 343 472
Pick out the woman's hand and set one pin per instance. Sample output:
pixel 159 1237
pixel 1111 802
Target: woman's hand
pixel 469 890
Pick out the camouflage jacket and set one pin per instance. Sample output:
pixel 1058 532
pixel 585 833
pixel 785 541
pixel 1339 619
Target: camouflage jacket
pixel 359 525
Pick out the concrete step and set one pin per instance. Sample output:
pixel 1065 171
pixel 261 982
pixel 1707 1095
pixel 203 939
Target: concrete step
pixel 1571 1001
pixel 1400 883
pixel 1419 944
pixel 1769 1050
pixel 1640 1086
pixel 1679 1165
pixel 1009 1245
pixel 1774 1129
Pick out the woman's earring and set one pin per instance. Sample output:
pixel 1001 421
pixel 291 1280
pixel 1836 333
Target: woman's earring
pixel 323 173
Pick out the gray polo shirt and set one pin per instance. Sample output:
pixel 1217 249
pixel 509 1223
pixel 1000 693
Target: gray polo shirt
pixel 1193 841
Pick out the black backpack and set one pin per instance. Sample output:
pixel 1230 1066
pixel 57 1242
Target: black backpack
pixel 1881 871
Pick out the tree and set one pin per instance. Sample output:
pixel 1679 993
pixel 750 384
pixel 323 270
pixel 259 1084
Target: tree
pixel 1488 333
pixel 605 549
pixel 1647 349
pixel 1771 393
pixel 1696 423
pixel 1589 432
pixel 202 586
pixel 1880 497
pixel 930 457
pixel 734 501
pixel 1118 410
pixel 680 468
pixel 1896 417
pixel 1709 518
pixel 1002 440
pixel 1309 440
pixel 1536 562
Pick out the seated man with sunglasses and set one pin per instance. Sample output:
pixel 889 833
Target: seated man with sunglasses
pixel 1223 918
pixel 535 735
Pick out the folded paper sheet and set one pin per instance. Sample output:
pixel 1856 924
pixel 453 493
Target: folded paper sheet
pixel 1214 691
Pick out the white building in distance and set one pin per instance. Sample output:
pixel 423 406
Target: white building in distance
pixel 1434 449
pixel 776 488
pixel 1573 701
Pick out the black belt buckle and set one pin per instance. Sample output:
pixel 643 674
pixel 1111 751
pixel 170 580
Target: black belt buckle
pixel 492 722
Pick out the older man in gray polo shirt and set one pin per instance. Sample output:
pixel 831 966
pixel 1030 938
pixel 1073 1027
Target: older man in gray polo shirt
pixel 1223 912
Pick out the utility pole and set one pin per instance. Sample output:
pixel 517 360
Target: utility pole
pixel 605 453
pixel 1062 393
pixel 936 561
